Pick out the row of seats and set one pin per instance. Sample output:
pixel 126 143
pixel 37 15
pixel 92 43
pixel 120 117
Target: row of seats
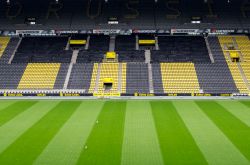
pixel 106 70
pixel 125 43
pixel 131 56
pixel 180 49
pixel 80 77
pixel 243 43
pixel 179 78
pixel 39 76
pixel 137 78
pixel 89 56
pixel 239 44
pixel 3 44
pixel 43 49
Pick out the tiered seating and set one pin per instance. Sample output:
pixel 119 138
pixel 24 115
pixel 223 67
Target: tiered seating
pixel 124 78
pixel 236 74
pixel 224 41
pixel 131 56
pixel 90 56
pixel 125 48
pixel 3 44
pixel 98 46
pixel 216 49
pixel 43 49
pixel 99 42
pixel 179 78
pixel 157 79
pixel 125 42
pixel 39 76
pixel 80 77
pixel 9 50
pixel 180 49
pixel 215 78
pixel 61 76
pixel 244 46
pixel 237 78
pixel 93 78
pixel 137 78
pixel 10 75
pixel 108 70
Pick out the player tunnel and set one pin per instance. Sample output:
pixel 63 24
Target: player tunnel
pixel 108 84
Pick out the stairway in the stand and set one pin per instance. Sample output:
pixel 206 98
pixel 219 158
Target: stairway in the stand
pixel 120 78
pixel 150 74
pixel 97 78
pixel 209 50
pixel 112 44
pixel 73 61
pixel 243 76
pixel 14 52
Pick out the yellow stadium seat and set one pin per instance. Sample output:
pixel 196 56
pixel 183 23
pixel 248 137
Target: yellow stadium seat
pixel 39 76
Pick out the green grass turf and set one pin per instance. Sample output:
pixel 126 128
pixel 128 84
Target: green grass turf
pixel 33 141
pixel 13 110
pixel 67 145
pixel 128 132
pixel 104 144
pixel 232 127
pixel 177 144
pixel 140 143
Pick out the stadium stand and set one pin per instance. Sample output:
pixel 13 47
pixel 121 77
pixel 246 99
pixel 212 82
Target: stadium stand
pixel 9 50
pixel 227 43
pixel 93 78
pixel 81 76
pixel 42 50
pixel 10 75
pixel 98 46
pixel 61 76
pixel 39 76
pixel 215 78
pixel 3 44
pixel 90 56
pixel 125 43
pixel 179 78
pixel 125 47
pixel 172 56
pixel 99 42
pixel 157 78
pixel 81 14
pixel 180 49
pixel 137 78
pixel 108 73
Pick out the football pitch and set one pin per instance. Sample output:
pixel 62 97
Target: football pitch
pixel 133 132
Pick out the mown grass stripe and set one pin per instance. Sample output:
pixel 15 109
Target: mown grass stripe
pixel 238 109
pixel 30 145
pixel 215 146
pixel 246 103
pixel 13 129
pixel 13 110
pixel 66 146
pixel 104 145
pixel 176 142
pixel 140 145
pixel 232 127
pixel 5 103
